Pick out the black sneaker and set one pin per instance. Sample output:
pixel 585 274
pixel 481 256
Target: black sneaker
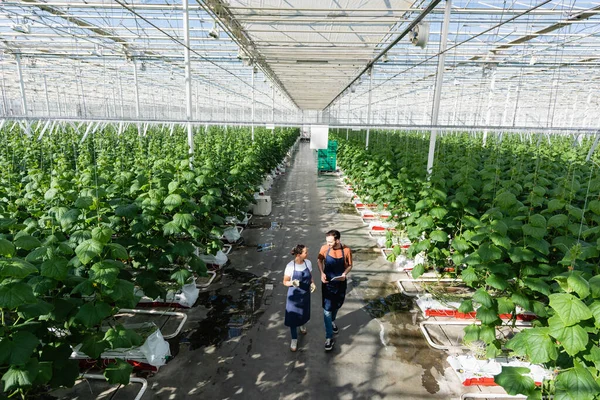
pixel 335 328
pixel 329 344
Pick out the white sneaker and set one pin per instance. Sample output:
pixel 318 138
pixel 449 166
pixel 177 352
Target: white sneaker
pixel 303 330
pixel 294 345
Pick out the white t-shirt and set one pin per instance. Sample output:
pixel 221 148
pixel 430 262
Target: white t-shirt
pixel 289 269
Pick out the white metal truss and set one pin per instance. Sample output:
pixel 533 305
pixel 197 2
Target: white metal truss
pixel 508 63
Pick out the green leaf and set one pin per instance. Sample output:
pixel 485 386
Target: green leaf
pixel 438 212
pixel 118 372
pixel 539 245
pixel 119 337
pixel 50 194
pixel 39 254
pixel 55 268
pixel 555 204
pixel 84 202
pixel 570 309
pixel 487 316
pixel 418 270
pixel 595 286
pixel 468 275
pixel 521 299
pixel 91 314
pixel 537 221
pixel 439 236
pixel 105 272
pixel 513 380
pixel 173 185
pixel 20 376
pixel 534 231
pixel 181 276
pixel 518 254
pixel 127 211
pixel 88 249
pixel 183 249
pixel 16 294
pixel 27 242
pixel 44 373
pixel 172 201
pixel 506 200
pixel 69 218
pixel 93 345
pixel 538 285
pixel 573 338
pixel 117 251
pixel 102 234
pixel 460 244
pixel 482 297
pixel 501 241
pixel 558 221
pixel 595 309
pixel 576 384
pixel 497 282
pixel 183 220
pixel 16 268
pixel 505 305
pixel 171 228
pixel 489 252
pixel 466 306
pixel 29 311
pixel 85 288
pixel 7 249
pixel 122 292
pixel 499 227
pixel 21 347
pixel 579 285
pixel 471 333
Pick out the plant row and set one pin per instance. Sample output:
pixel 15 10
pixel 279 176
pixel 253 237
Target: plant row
pixel 519 221
pixel 83 221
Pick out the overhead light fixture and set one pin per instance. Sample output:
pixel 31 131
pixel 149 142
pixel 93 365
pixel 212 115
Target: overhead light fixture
pixel 215 32
pixel 385 59
pixel 21 28
pixel 352 88
pixel 312 61
pixel 532 60
pixel 97 51
pixel 419 35
pixel 143 66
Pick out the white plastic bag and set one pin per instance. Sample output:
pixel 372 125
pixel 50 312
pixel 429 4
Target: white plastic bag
pixel 231 234
pixel 188 295
pixel 220 259
pixel 156 349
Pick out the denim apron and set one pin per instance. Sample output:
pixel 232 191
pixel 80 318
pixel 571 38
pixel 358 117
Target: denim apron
pixel 297 307
pixel 333 292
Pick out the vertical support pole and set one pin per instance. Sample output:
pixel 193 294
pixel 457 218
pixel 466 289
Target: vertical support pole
pixel 273 104
pixel 22 85
pixel 573 111
pixel 58 101
pixel 505 112
pixel 514 117
pixel 47 100
pixel 438 86
pixel 397 111
pixel 488 113
pixel 587 108
pixel 369 108
pixel 188 80
pixel 85 113
pixel 137 96
pixel 348 117
pixel 121 95
pixel 253 104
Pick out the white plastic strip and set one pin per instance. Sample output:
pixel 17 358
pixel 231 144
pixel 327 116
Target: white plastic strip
pixel 157 312
pixel 142 381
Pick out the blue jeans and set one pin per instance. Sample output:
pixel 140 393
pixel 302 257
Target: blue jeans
pixel 294 331
pixel 328 318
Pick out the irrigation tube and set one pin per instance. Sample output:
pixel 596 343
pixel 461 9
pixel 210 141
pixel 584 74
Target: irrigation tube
pixel 132 379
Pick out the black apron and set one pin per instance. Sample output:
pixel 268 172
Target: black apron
pixel 334 292
pixel 297 307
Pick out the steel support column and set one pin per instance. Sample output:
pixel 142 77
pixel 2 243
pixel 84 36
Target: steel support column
pixel 188 80
pixel 438 86
pixel 369 108
pixel 137 95
pixel 253 104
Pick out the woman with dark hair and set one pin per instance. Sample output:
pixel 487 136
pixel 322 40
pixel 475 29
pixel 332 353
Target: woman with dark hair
pixel 298 277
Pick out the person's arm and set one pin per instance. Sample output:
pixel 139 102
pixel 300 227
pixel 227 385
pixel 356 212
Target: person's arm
pixel 287 280
pixel 321 265
pixel 348 261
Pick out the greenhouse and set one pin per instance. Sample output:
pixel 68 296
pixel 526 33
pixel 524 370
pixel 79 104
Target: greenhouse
pixel 192 190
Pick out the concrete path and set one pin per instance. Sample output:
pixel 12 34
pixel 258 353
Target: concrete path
pixel 235 345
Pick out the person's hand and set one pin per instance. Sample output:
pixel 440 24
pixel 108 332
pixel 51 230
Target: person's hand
pixel 313 287
pixel 324 278
pixel 343 278
pixel 295 283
